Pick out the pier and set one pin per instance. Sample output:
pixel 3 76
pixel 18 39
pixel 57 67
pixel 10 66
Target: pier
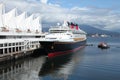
pixel 14 48
pixel 14 45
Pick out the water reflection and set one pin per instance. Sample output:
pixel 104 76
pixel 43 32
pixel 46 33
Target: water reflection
pixel 26 69
pixel 60 67
pixel 40 68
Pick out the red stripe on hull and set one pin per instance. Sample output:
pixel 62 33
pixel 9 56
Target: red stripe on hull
pixel 50 55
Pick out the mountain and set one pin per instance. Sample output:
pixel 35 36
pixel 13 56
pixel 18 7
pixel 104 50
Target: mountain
pixel 92 30
pixel 87 28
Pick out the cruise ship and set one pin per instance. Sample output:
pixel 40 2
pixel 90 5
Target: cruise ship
pixel 19 33
pixel 64 38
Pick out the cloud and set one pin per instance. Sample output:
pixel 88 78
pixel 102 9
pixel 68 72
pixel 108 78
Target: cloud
pixel 44 1
pixel 101 18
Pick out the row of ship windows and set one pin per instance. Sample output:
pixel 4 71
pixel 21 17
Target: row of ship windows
pixel 64 31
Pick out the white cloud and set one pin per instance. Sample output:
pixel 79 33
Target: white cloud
pixel 44 1
pixel 100 18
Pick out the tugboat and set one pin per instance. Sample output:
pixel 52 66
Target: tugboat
pixel 103 45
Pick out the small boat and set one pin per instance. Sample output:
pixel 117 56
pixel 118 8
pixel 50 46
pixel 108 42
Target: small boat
pixel 103 45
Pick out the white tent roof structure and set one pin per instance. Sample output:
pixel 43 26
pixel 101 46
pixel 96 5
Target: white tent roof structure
pixel 36 26
pixel 11 20
pixel 2 11
pixel 20 21
pixel 28 22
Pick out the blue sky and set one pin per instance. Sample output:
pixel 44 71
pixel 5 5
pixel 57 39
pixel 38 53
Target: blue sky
pixel 87 3
pixel 103 14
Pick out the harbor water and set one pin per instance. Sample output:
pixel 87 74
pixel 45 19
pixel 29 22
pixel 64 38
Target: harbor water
pixel 89 63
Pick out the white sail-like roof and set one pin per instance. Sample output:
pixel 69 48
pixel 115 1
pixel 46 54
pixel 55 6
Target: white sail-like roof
pixel 10 18
pixel 28 22
pixel 20 21
pixel 1 21
pixel 11 21
pixel 2 11
pixel 36 25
